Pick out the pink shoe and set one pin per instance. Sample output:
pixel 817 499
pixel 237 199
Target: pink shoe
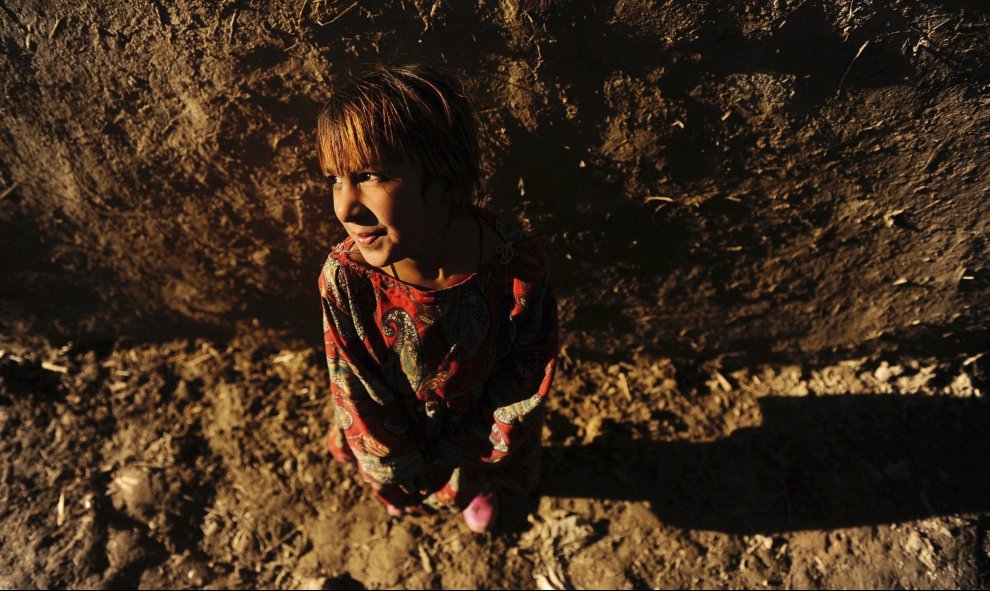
pixel 393 510
pixel 481 514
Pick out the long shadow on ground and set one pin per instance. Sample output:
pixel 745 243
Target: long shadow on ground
pixel 814 463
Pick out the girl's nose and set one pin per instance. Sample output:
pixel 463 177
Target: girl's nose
pixel 347 202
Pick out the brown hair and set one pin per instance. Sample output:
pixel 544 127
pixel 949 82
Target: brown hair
pixel 413 113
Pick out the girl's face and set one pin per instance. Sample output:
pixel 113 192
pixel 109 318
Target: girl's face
pixel 392 212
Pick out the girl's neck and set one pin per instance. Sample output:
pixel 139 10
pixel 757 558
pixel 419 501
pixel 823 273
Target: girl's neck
pixel 453 258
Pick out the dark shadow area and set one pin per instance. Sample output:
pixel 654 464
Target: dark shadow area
pixel 814 463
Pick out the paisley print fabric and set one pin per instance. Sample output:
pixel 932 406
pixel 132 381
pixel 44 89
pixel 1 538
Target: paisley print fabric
pixel 405 358
pixel 439 393
pixel 465 321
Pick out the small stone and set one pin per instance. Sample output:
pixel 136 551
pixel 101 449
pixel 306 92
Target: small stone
pixel 884 372
pixel 131 492
pixel 962 386
pixel 211 525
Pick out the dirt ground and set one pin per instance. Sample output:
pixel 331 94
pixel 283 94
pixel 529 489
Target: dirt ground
pixel 768 225
pixel 191 463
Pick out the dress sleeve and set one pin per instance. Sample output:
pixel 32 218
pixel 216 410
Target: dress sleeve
pixel 376 427
pixel 512 406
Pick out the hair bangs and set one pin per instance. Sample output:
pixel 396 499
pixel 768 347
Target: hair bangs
pixel 348 140
pixel 412 114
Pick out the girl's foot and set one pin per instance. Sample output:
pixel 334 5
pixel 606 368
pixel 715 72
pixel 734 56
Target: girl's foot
pixel 393 510
pixel 481 514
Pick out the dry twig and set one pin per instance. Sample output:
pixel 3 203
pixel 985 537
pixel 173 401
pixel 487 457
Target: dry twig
pixel 230 30
pixel 339 14
pixel 838 90
pixel 60 509
pixel 8 191
pixel 54 367
pixel 58 23
pixel 277 543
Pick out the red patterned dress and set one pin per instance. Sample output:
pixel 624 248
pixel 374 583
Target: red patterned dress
pixel 439 394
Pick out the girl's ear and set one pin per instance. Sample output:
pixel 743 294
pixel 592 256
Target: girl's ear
pixel 448 192
pixel 439 191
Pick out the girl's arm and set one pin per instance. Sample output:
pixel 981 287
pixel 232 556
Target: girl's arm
pixel 376 427
pixel 512 408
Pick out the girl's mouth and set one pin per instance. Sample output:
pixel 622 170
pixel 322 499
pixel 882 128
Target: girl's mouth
pixel 368 239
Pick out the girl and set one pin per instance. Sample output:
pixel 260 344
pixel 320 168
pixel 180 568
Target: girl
pixel 439 321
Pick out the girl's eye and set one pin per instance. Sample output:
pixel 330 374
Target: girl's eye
pixel 334 181
pixel 370 176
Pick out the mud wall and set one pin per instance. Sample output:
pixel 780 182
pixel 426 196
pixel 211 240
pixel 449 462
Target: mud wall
pixel 787 177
